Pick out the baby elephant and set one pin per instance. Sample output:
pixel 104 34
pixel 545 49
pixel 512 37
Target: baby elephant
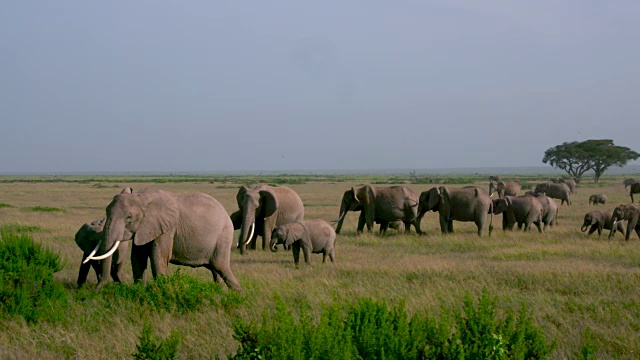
pixel 87 239
pixel 599 220
pixel 313 236
pixel 596 199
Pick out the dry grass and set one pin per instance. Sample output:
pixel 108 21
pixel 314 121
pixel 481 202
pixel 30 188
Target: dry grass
pixel 568 280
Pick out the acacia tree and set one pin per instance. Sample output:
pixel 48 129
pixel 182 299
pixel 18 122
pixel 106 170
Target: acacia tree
pixel 576 157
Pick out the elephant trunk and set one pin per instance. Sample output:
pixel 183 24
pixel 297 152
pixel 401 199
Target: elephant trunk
pixel 274 244
pixel 584 227
pixel 246 231
pixel 113 234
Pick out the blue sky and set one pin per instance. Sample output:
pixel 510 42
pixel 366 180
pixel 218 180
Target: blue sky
pixel 292 85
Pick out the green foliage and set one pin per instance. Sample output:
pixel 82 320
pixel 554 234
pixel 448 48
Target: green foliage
pixel 18 228
pixel 369 329
pixel 4 205
pixel 27 287
pixel 151 347
pixel 588 348
pixel 177 293
pixel 577 157
pixel 44 209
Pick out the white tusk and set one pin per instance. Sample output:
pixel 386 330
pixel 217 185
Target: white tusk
pixel 95 250
pixel 253 225
pixel 342 216
pixel 109 253
pixel 491 195
pixel 614 224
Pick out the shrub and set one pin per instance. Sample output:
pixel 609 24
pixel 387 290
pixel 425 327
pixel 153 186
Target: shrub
pixel 27 287
pixel 152 347
pixel 45 209
pixel 177 293
pixel 370 329
pixel 3 205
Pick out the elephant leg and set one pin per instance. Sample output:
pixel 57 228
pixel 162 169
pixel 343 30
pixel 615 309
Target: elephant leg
pixel 593 229
pixel 96 265
pixel 638 231
pixel 220 264
pixel 361 221
pixel 84 271
pixel 332 255
pixel 324 256
pixel 505 223
pixel 139 259
pixel 384 225
pixel 115 272
pixel 161 254
pixel 296 253
pixel 370 213
pixel 306 251
pixel 269 225
pixel 539 226
pixel 450 226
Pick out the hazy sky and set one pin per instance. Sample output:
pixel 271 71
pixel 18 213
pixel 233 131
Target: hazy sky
pixel 270 85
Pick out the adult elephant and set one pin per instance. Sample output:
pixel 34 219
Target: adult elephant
pixel 634 189
pixel 469 203
pixel 572 183
pixel 381 204
pixel 183 229
pixel 599 220
pixel 555 190
pixel 523 210
pixel 504 188
pixel 631 213
pixel 262 209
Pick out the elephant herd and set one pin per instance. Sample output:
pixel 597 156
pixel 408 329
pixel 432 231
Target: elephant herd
pixel 195 230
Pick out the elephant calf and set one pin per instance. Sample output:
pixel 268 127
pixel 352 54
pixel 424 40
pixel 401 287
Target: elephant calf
pixel 87 238
pixel 599 220
pixel 524 210
pixel 596 199
pixel 312 236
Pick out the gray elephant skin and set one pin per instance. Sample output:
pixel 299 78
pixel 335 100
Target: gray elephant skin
pixel 523 210
pixel 310 236
pixel 596 199
pixel 634 189
pixel 87 238
pixel 572 183
pixel 469 203
pixel 190 229
pixel 555 191
pixel 263 208
pixel 599 220
pixel 549 210
pixel 630 213
pixel 627 182
pixel 381 204
pixel 504 188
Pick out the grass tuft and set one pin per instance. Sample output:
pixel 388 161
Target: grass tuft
pixel 4 205
pixel 45 209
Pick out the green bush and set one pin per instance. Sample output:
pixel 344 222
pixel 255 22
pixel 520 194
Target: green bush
pixel 4 205
pixel 27 287
pixel 152 347
pixel 371 329
pixel 176 293
pixel 45 209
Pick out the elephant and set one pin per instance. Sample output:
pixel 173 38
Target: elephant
pixel 627 182
pixel 631 213
pixel 634 189
pixel 503 188
pixel 597 199
pixel 312 236
pixel 523 210
pixel 469 203
pixel 384 204
pixel 549 210
pixel 555 190
pixel 493 178
pixel 384 225
pixel 262 209
pixel 87 237
pixel 599 220
pixel 191 229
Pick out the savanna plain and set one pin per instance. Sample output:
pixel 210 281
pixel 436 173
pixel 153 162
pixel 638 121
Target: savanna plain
pixel 579 289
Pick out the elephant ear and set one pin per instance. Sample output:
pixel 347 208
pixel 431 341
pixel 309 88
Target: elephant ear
pixel 366 195
pixel 236 219
pixel 294 233
pixel 434 198
pixel 160 216
pixel 268 202
pixel 241 194
pixel 354 194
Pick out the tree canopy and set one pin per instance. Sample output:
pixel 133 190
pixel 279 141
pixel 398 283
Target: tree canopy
pixel 576 158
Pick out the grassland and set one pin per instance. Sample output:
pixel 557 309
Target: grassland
pixel 572 283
